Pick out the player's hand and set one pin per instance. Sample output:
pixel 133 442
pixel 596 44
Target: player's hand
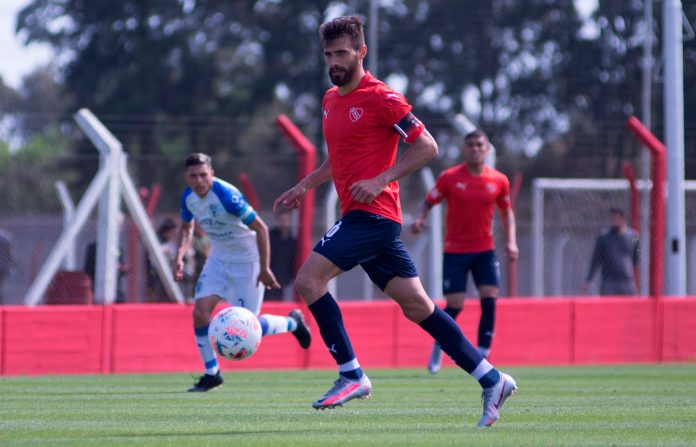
pixel 178 270
pixel 289 199
pixel 365 191
pixel 268 279
pixel 512 252
pixel 418 225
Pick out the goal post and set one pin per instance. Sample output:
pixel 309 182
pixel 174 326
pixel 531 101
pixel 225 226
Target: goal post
pixel 567 216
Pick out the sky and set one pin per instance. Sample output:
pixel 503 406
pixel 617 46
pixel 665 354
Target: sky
pixel 17 60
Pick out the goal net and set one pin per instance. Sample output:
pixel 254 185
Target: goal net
pixel 567 217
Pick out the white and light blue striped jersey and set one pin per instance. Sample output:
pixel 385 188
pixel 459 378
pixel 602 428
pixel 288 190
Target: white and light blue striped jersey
pixel 224 215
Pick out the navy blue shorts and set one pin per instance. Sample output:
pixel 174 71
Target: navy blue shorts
pixel 484 268
pixel 370 240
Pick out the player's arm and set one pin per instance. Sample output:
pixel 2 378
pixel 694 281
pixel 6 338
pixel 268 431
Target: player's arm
pixel 420 152
pixel 266 276
pixel 421 216
pixel 291 198
pixel 507 216
pixel 184 239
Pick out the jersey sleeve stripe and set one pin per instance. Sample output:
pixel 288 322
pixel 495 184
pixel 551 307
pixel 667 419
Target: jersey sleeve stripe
pixel 232 200
pixel 186 214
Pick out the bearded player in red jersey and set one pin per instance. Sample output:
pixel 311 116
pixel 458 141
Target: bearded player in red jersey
pixel 362 122
pixel 471 189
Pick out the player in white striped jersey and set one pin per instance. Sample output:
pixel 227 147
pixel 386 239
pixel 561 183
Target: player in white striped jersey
pixel 237 269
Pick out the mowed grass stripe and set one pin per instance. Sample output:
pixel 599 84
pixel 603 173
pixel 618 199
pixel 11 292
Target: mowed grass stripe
pixel 566 406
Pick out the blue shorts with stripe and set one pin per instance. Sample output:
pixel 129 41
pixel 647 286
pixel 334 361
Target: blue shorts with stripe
pixel 371 241
pixel 484 268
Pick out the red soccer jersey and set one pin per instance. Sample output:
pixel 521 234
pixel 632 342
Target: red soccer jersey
pixel 470 202
pixel 362 130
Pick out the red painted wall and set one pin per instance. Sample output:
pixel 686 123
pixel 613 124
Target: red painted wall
pixel 130 338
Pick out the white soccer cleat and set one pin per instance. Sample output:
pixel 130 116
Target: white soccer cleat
pixel 435 362
pixel 494 398
pixel 344 390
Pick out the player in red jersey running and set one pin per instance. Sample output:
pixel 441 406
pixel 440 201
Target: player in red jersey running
pixel 472 190
pixel 362 122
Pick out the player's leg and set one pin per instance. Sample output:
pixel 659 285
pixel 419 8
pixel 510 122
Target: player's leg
pixel 455 269
pixel 202 309
pixel 358 235
pixel 453 306
pixel 247 292
pixel 486 273
pixel 497 386
pixel 394 272
pixel 212 284
pixel 311 282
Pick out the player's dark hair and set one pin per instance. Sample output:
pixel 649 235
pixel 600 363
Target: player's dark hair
pixel 617 211
pixel 478 133
pixel 197 159
pixel 350 26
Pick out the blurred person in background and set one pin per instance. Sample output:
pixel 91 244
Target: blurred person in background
pixel 5 258
pixel 616 254
pixel 472 190
pixel 283 252
pixel 238 267
pixel 167 236
pixel 90 264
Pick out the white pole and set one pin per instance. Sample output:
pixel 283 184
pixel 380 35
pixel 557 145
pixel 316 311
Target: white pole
pixel 111 153
pixel 68 213
pixel 434 285
pixel 330 217
pixel 675 281
pixel 373 43
pixel 50 266
pixel 646 118
pixel 142 222
pixel 537 239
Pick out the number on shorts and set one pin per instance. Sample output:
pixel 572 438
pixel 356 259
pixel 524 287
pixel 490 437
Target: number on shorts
pixel 334 229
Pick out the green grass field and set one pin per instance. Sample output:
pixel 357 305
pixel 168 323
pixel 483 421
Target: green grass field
pixel 651 405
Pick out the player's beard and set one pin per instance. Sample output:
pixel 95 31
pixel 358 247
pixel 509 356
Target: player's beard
pixel 342 76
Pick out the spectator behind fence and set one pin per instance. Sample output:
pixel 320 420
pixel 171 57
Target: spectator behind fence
pixel 5 259
pixel 167 236
pixel 616 252
pixel 283 252
pixel 90 267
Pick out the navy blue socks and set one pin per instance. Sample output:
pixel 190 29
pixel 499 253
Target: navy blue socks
pixel 452 311
pixel 330 321
pixel 487 323
pixel 451 339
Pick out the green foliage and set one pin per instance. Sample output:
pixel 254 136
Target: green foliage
pixel 589 406
pixel 530 72
pixel 28 174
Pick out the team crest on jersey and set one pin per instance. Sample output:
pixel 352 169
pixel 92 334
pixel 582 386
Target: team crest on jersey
pixel 214 211
pixel 490 187
pixel 355 113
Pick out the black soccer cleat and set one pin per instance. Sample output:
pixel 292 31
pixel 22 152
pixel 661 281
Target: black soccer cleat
pixel 206 382
pixel 302 333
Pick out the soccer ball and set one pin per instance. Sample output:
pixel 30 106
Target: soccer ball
pixel 235 333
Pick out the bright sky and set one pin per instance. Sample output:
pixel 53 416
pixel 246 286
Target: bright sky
pixel 17 60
